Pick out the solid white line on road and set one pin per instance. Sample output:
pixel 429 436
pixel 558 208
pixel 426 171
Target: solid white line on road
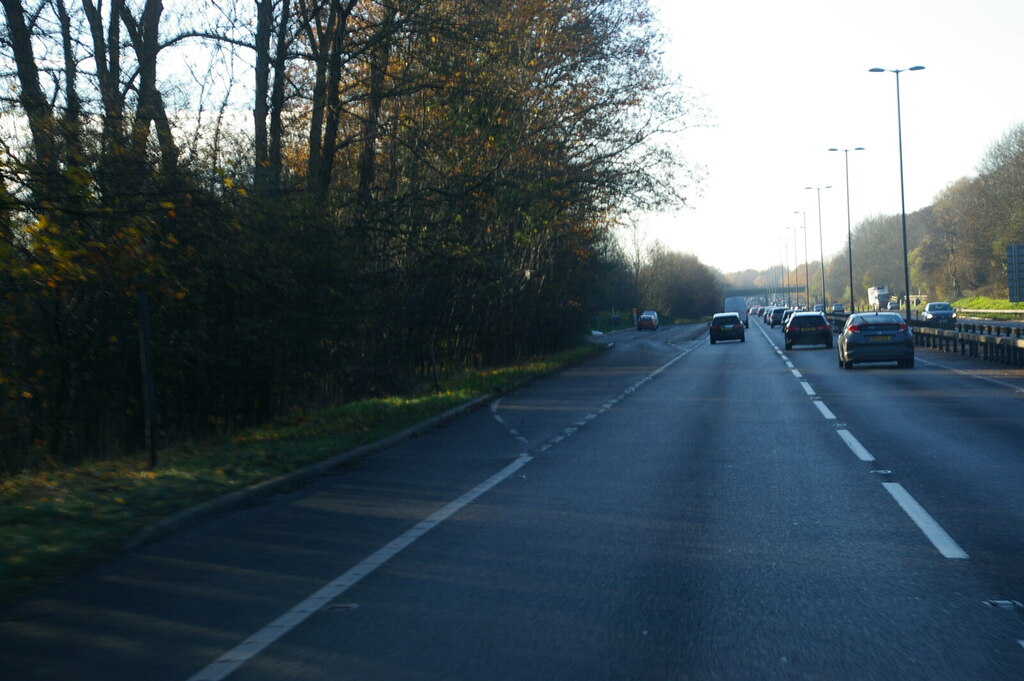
pixel 855 446
pixel 988 379
pixel 807 388
pixel 258 642
pixel 936 535
pixel 825 411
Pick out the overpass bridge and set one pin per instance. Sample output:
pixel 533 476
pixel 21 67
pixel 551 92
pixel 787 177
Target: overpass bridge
pixel 763 291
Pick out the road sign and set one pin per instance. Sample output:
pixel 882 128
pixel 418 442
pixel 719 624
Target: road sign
pixel 1015 272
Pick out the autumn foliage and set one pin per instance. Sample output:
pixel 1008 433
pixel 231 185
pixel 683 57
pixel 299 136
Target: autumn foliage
pixel 317 200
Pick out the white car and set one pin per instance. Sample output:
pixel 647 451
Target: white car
pixel 647 320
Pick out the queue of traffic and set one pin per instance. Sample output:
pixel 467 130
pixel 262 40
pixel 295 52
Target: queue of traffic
pixel 865 337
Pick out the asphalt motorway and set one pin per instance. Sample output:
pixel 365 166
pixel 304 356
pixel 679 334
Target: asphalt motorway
pixel 670 510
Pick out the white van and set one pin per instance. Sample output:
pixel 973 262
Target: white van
pixel 738 305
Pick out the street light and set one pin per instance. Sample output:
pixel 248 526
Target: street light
pixel 785 265
pixel 903 202
pixel 794 279
pixel 849 225
pixel 821 247
pixel 807 284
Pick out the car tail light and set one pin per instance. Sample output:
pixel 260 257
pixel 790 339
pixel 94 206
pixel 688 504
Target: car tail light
pixel 824 327
pixel 903 326
pixel 854 328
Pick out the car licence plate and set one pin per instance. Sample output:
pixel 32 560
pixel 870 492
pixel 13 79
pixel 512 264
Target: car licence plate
pixel 881 338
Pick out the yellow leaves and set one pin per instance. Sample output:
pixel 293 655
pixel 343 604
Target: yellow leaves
pixel 230 184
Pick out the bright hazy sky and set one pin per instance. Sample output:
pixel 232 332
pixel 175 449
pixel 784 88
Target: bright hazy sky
pixel 787 79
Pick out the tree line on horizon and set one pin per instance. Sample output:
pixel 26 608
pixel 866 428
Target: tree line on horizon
pixel 956 247
pixel 420 186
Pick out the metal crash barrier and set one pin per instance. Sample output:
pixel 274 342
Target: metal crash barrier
pixel 987 341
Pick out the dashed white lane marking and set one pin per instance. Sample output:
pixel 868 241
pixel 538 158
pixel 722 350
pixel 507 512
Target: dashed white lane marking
pixel 258 642
pixel 587 419
pixel 807 388
pixel 825 411
pixel 932 530
pixel 796 372
pixel 936 535
pixel 855 446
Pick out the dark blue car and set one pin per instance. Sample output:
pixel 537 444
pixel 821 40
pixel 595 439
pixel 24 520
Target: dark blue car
pixel 876 337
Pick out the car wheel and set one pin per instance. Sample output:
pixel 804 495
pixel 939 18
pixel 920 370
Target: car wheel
pixel 712 341
pixel 789 346
pixel 743 339
pixel 908 363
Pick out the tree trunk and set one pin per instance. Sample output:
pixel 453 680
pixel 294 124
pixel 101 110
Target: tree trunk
pixel 381 53
pixel 264 28
pixel 326 114
pixel 277 96
pixel 41 123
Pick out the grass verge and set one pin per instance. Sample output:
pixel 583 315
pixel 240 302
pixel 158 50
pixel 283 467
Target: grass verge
pixel 983 303
pixel 56 522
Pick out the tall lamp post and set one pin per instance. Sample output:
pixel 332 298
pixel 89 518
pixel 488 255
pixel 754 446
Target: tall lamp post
pixel 821 247
pixel 849 223
pixel 807 284
pixel 785 266
pixel 794 279
pixel 903 202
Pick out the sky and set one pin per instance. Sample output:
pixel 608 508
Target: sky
pixel 785 80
